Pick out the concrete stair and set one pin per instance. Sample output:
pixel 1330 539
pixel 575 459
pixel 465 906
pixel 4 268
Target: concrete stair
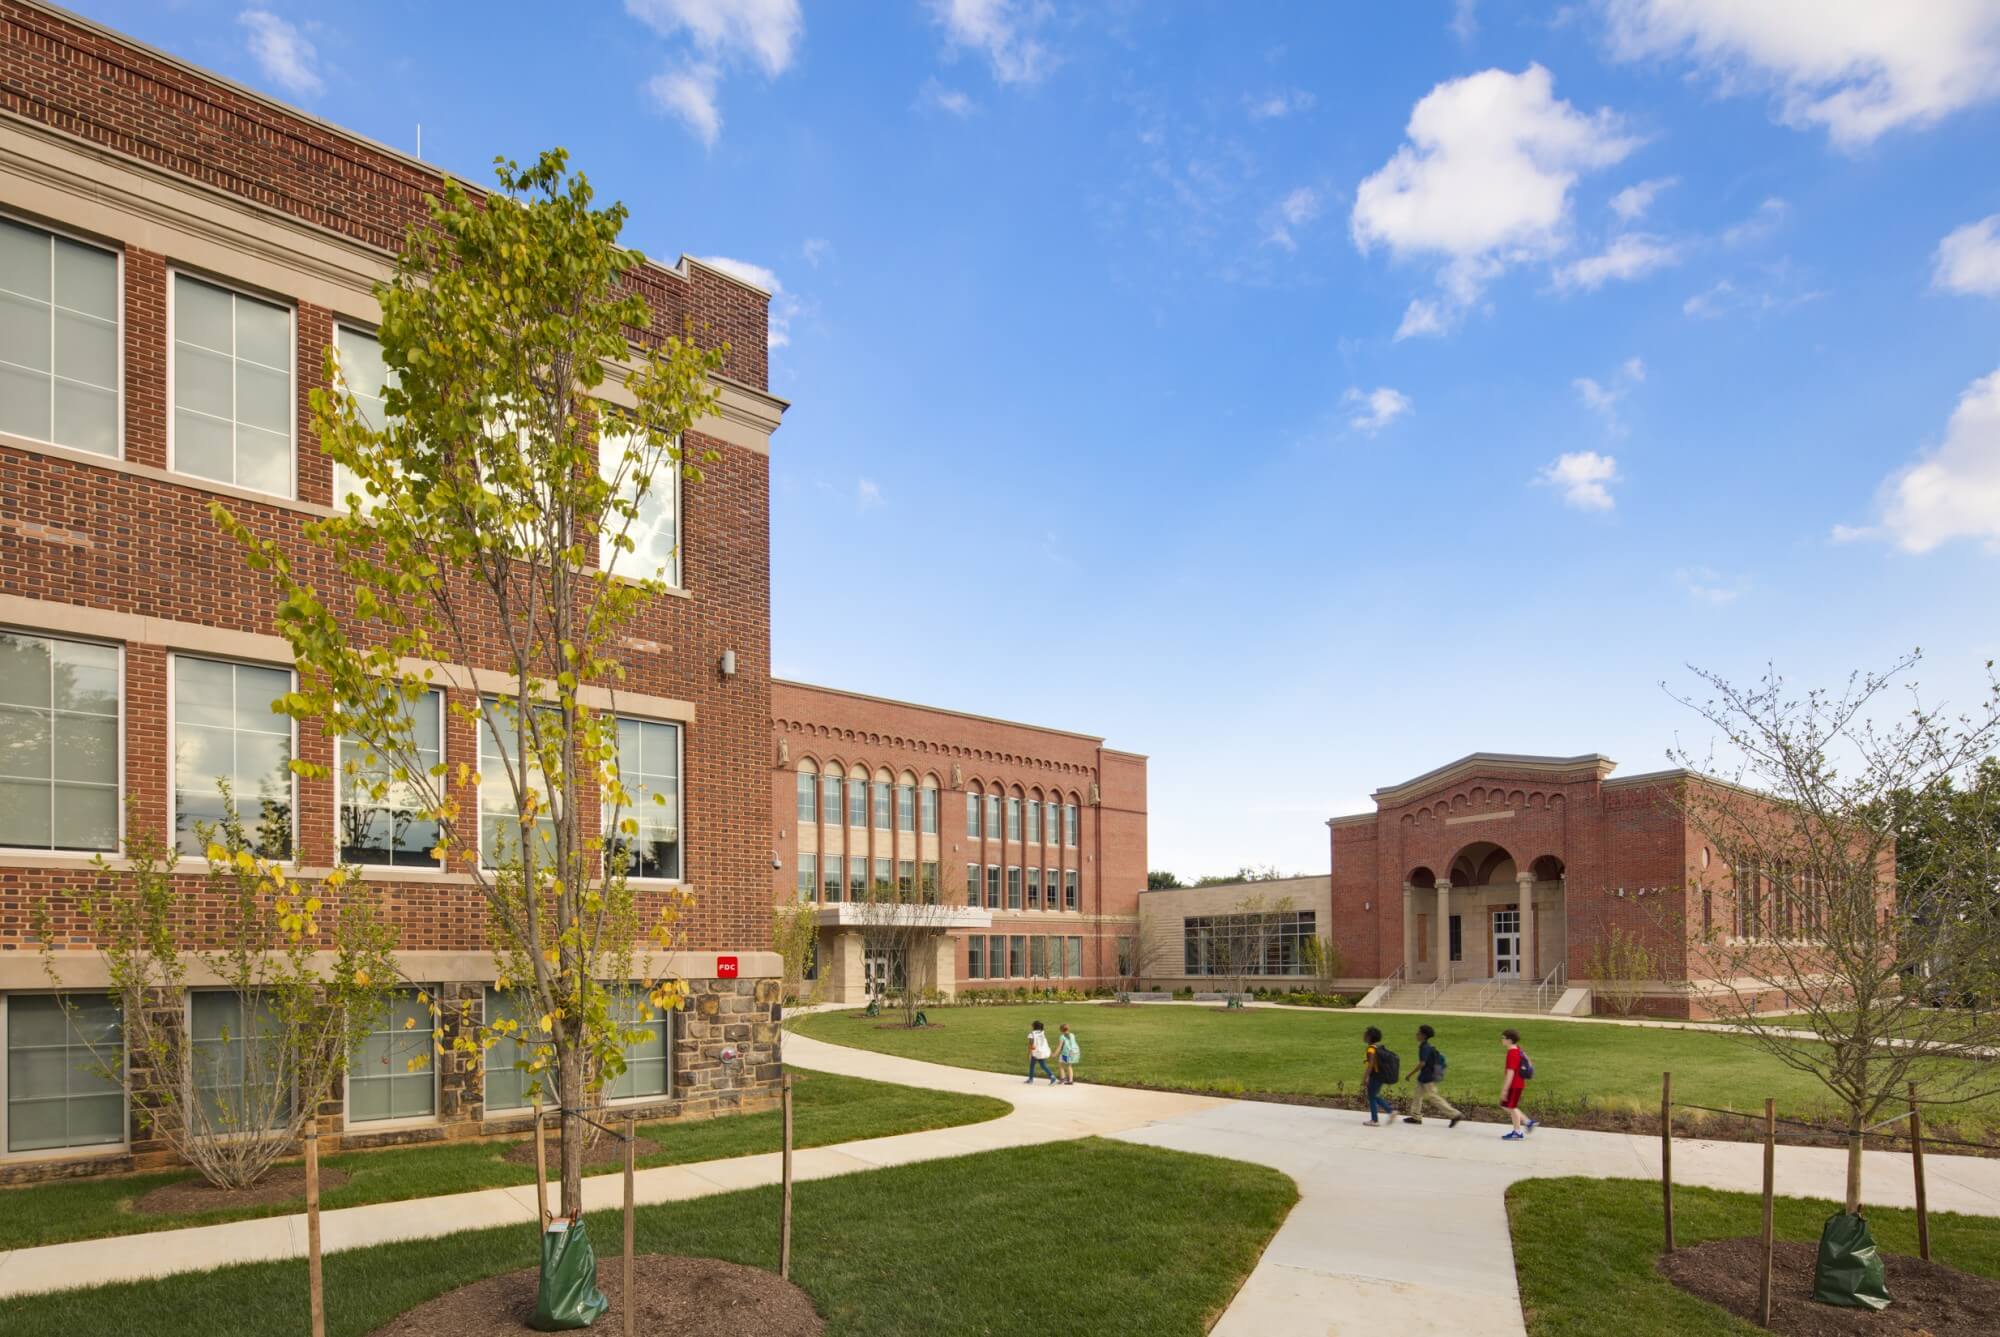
pixel 1473 996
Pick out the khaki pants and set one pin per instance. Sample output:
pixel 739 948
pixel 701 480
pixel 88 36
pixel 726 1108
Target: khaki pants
pixel 1428 1091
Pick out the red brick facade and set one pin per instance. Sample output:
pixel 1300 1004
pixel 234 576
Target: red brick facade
pixel 817 729
pixel 1594 853
pixel 120 549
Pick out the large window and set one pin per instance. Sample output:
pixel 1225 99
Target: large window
pixel 906 876
pixel 879 793
pixel 238 1063
pixel 975 956
pixel 808 875
pixel 931 885
pixel 1013 819
pixel 808 798
pixel 929 799
pixel 646 1055
pixel 972 885
pixel 1017 956
pixel 381 818
pixel 58 1094
pixel 1069 890
pixel 227 738
pixel 830 879
pixel 882 875
pixel 972 816
pixel 857 878
pixel 1035 890
pixel 58 743
pixel 1073 963
pixel 906 807
pixel 993 817
pixel 649 770
pixel 993 886
pixel 390 1074
pixel 58 340
pixel 1034 821
pixel 829 803
pixel 507 1082
pixel 232 387
pixel 857 803
pixel 1053 811
pixel 1248 944
pixel 654 529
pixel 359 355
pixel 505 763
pixel 1038 956
pixel 996 957
pixel 1069 824
pixel 1013 888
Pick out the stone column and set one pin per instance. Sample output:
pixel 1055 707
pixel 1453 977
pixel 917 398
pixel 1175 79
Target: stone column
pixel 1526 882
pixel 1409 933
pixel 1442 951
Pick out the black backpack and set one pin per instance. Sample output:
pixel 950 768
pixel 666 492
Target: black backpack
pixel 1388 1067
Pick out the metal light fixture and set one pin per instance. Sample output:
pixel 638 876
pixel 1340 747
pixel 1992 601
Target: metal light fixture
pixel 728 663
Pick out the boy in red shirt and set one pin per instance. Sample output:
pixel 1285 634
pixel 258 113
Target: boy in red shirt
pixel 1513 1079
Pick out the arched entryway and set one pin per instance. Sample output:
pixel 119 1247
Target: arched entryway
pixel 1492 917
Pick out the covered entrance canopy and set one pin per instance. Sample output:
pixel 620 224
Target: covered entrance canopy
pixel 1490 918
pixel 869 949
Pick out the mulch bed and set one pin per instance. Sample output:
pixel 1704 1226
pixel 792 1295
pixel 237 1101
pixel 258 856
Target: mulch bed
pixel 1927 1299
pixel 688 1297
pixel 286 1183
pixel 606 1151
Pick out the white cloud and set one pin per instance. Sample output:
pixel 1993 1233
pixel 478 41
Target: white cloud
pixel 1379 407
pixel 952 101
pixel 1422 318
pixel 1594 395
pixel 815 250
pixel 1582 475
pixel 765 31
pixel 867 494
pixel 1854 533
pixel 720 33
pixel 689 93
pixel 1707 585
pixel 1631 256
pixel 1297 209
pixel 282 52
pixel 1465 20
pixel 1483 182
pixel 1952 492
pixel 784 306
pixel 1968 259
pixel 1602 399
pixel 1004 30
pixel 1771 288
pixel 1633 368
pixel 1769 216
pixel 1631 203
pixel 1276 106
pixel 1858 68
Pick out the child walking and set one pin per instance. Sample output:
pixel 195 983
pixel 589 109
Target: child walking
pixel 1514 1077
pixel 1038 1054
pixel 1373 1077
pixel 1067 1054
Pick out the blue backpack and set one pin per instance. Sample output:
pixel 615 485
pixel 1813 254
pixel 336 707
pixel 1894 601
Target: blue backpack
pixel 1527 1068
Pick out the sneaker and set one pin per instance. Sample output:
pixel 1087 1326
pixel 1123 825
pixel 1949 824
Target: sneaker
pixel 1510 1137
pixel 1407 1119
pixel 1371 1123
pixel 1533 1124
pixel 1454 1120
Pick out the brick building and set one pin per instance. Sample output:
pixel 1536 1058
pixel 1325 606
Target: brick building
pixel 1486 883
pixel 1034 840
pixel 176 255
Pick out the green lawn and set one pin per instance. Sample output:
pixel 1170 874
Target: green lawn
pixel 1088 1236
pixel 1319 1053
pixel 825 1109
pixel 1584 1249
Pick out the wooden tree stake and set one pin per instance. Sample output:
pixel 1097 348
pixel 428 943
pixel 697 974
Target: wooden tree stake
pixel 785 1201
pixel 1917 1162
pixel 1770 1186
pixel 541 1170
pixel 1667 1153
pixel 631 1165
pixel 315 1277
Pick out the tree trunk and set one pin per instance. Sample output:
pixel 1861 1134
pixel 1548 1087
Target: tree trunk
pixel 1853 1164
pixel 569 1080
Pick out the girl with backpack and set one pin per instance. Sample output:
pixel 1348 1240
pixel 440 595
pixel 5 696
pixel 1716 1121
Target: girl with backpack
pixel 1378 1066
pixel 1514 1078
pixel 1068 1055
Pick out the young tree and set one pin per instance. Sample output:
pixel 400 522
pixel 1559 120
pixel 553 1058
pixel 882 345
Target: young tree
pixel 1321 955
pixel 1620 962
pixel 795 937
pixel 906 927
pixel 225 1077
pixel 502 516
pixel 1805 826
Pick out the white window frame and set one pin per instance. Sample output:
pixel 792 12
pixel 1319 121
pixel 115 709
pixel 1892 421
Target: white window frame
pixel 340 323
pixel 674 576
pixel 95 1150
pixel 119 646
pixel 200 860
pixel 428 866
pixel 680 799
pixel 481 732
pixel 360 1127
pixel 291 309
pixel 118 259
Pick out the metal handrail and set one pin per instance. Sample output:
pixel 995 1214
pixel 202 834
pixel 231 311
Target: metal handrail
pixel 1557 979
pixel 1438 986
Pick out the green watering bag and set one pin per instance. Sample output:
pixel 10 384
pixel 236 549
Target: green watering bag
pixel 1850 1270
pixel 568 1297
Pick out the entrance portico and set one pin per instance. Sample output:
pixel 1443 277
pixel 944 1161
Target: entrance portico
pixel 869 950
pixel 1487 921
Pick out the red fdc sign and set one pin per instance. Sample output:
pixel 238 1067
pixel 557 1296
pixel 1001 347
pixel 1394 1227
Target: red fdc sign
pixel 725 967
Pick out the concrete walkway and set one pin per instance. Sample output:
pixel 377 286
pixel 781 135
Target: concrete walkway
pixel 1399 1229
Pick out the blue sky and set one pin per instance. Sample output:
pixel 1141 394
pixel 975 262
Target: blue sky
pixel 1302 395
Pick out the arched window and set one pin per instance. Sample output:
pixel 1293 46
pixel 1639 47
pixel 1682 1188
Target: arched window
pixel 928 805
pixel 808 793
pixel 857 795
pixel 1034 836
pixel 829 795
pixel 973 801
pixel 906 802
